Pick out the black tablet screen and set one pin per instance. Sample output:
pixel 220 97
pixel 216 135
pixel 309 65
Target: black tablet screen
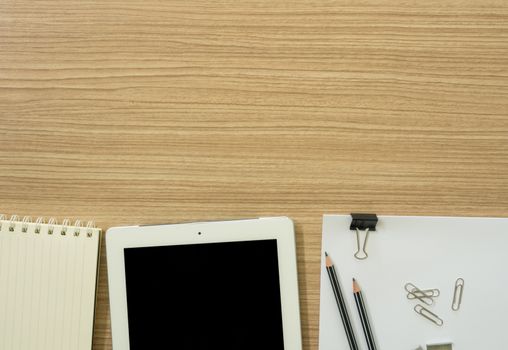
pixel 204 296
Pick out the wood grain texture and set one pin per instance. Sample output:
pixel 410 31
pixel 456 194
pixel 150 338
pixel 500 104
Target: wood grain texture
pixel 165 111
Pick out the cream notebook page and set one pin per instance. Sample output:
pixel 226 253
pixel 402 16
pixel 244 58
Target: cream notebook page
pixel 47 285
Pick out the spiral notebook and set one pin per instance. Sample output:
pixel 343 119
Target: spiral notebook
pixel 48 275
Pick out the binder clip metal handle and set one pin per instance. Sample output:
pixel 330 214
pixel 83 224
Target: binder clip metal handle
pixel 363 222
pixel 360 250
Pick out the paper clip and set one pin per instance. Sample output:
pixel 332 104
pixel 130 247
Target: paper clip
pixel 427 293
pixel 418 294
pixel 457 294
pixel 429 315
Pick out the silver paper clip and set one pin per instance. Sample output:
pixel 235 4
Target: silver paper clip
pixel 429 315
pixel 426 293
pixel 457 294
pixel 418 294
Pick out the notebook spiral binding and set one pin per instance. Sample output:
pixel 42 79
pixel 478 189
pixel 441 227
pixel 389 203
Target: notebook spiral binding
pixel 52 222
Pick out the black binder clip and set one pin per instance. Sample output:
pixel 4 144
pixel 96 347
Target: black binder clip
pixel 363 222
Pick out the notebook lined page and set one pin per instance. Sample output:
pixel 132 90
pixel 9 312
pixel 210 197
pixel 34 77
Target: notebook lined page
pixel 47 286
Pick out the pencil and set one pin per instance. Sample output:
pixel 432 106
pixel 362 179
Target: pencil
pixel 339 298
pixel 362 311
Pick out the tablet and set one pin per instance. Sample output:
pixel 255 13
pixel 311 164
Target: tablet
pixel 209 285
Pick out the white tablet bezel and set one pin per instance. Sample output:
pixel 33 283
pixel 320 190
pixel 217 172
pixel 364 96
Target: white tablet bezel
pixel 280 228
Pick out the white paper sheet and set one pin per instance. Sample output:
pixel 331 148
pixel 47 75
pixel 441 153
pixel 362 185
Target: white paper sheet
pixel 430 252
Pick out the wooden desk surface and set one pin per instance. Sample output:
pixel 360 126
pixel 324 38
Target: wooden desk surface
pixel 165 111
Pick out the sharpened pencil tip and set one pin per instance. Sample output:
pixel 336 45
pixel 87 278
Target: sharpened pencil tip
pixel 326 254
pixel 328 261
pixel 356 286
